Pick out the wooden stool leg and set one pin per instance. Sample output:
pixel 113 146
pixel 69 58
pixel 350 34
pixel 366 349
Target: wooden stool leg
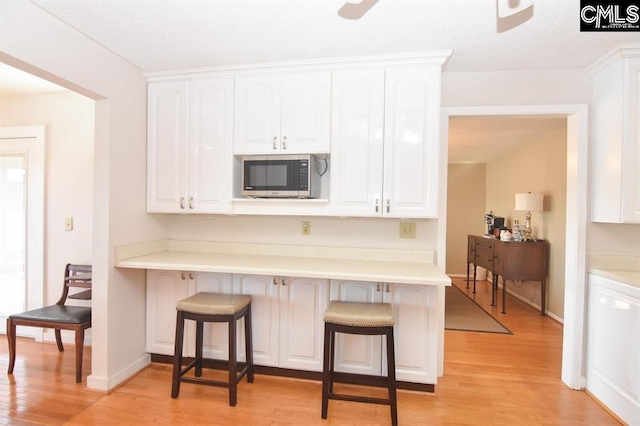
pixel 177 356
pixel 79 353
pixel 326 373
pixel 199 344
pixel 11 337
pixel 248 345
pixel 332 357
pixel 233 364
pixel 391 377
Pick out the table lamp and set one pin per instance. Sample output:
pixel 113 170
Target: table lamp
pixel 529 202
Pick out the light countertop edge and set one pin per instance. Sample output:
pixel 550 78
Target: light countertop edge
pixel 417 273
pixel 624 269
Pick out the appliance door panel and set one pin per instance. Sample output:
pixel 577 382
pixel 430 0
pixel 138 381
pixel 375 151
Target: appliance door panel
pixel 273 178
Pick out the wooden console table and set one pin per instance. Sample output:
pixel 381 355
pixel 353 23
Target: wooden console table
pixel 514 261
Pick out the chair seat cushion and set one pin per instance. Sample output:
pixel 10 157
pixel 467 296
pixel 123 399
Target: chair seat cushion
pixel 357 314
pixel 213 303
pixel 57 313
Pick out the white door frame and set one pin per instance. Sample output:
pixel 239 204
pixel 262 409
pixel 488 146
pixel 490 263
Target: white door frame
pixel 573 344
pixel 30 142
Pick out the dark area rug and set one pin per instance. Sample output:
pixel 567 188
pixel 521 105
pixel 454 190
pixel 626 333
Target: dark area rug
pixel 463 313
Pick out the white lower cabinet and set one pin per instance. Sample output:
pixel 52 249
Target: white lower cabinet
pixel 415 331
pixel 287 319
pixel 164 290
pixel 287 322
pixel 613 348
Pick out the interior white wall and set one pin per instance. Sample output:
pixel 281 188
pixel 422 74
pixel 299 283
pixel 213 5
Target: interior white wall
pixel 542 87
pixel 32 40
pixel 325 231
pixel 68 118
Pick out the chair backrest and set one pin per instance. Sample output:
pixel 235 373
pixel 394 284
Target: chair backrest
pixel 76 276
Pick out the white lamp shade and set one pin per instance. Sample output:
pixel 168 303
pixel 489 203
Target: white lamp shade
pixel 529 202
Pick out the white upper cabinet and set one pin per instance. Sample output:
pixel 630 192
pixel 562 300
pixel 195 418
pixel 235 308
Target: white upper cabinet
pixel 411 141
pixel 357 118
pixel 167 133
pixel 282 114
pixel 189 134
pixel 385 142
pixel 615 177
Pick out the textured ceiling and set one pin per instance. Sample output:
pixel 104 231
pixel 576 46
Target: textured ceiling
pixel 175 34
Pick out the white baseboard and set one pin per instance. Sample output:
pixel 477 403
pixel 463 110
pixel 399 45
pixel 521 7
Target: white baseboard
pixel 68 337
pixel 107 384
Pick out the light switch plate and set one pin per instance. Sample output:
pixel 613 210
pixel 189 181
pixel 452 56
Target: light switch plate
pixel 68 224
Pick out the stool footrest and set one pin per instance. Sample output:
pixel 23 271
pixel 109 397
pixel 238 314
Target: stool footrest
pixel 356 398
pixel 241 373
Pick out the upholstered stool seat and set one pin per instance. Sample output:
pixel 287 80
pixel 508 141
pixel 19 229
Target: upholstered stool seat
pixel 213 307
pixel 358 318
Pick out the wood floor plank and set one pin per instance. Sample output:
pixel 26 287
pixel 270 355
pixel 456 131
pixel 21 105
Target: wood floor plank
pixel 488 378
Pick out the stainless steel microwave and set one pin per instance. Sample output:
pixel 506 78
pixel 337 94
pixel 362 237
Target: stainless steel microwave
pixel 280 176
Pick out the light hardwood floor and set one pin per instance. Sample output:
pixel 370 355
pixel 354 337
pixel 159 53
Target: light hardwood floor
pixel 492 379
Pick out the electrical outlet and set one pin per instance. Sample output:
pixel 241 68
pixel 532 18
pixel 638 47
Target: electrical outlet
pixel 407 230
pixel 68 224
pixel 306 227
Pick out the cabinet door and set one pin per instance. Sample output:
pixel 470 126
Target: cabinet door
pixel 264 316
pixel 356 143
pixel 411 145
pixel 216 340
pixel 415 331
pixel 356 353
pixel 256 120
pixel 306 113
pixel 164 290
pixel 167 132
pixel 631 144
pixel 210 159
pixel 302 305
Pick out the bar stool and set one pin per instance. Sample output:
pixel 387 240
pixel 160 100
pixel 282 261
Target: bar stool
pixel 358 318
pixel 213 307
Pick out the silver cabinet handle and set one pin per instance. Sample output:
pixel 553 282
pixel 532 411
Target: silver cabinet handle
pixel 275 281
pixel 387 288
pixel 378 287
pixel 275 140
pixel 377 205
pixel 388 205
pixel 182 203
pixel 284 142
pixel 190 275
pixel 284 282
pixel 191 203
pixel 183 274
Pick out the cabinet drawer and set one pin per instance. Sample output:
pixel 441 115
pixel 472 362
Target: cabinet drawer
pixel 484 253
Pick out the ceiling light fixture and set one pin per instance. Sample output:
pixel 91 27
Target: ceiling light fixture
pixel 356 10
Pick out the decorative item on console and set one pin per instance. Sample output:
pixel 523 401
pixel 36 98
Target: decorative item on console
pixel 529 202
pixel 495 224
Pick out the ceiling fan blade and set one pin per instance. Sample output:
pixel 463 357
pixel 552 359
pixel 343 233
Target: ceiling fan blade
pixel 356 10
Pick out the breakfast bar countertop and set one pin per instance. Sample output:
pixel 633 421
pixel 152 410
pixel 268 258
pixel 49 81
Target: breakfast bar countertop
pixel 624 269
pixel 377 265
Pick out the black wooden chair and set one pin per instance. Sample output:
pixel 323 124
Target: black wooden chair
pixel 59 316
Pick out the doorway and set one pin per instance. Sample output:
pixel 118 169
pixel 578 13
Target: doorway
pixel 21 228
pixel 576 219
